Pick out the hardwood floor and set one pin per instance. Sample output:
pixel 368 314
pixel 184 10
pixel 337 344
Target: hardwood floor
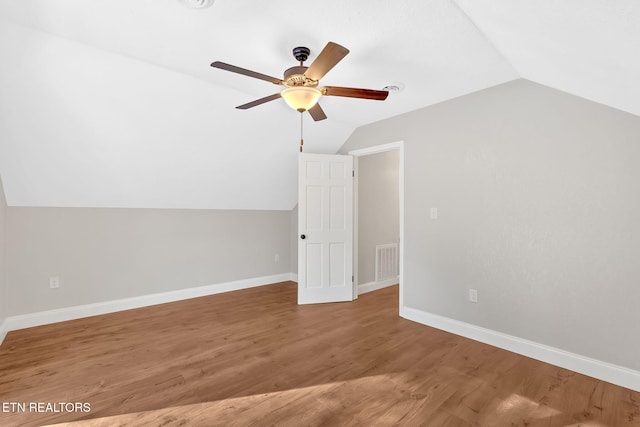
pixel 254 357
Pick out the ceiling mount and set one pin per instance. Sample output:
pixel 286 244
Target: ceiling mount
pixel 301 53
pixel 300 81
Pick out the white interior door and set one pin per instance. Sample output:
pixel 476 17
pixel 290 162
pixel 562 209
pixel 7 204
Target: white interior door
pixel 325 228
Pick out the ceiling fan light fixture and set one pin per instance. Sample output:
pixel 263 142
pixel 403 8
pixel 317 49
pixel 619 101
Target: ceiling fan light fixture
pixel 301 98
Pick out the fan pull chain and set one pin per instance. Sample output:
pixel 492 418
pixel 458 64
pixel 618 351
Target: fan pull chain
pixel 301 140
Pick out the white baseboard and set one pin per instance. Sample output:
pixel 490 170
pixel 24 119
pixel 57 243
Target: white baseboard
pixel 60 315
pixel 615 374
pixel 293 277
pixel 374 286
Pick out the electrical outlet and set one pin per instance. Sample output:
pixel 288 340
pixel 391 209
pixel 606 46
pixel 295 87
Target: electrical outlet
pixel 276 258
pixel 54 282
pixel 433 213
pixel 473 295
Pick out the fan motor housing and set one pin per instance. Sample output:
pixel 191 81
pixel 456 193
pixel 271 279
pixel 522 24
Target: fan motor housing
pixel 294 76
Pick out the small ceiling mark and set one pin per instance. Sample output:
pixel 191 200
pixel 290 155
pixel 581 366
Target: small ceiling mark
pixel 196 4
pixel 394 88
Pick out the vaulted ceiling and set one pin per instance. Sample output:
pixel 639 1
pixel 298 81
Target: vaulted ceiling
pixel 114 104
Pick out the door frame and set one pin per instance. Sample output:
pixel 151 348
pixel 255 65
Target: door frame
pixel 398 145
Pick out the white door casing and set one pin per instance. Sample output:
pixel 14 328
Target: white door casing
pixel 398 145
pixel 325 228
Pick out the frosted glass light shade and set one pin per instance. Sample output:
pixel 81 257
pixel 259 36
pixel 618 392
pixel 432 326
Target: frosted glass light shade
pixel 301 98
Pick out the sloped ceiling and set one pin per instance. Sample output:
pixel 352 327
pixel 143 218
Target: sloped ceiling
pixel 114 104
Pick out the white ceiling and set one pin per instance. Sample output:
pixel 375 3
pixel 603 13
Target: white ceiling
pixel 114 104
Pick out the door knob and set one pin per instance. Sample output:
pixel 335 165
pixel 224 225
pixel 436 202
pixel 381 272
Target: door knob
pixel 302 236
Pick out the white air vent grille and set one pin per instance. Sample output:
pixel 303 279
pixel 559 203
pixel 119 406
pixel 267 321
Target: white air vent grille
pixel 386 261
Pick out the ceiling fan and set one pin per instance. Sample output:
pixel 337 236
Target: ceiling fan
pixel 302 92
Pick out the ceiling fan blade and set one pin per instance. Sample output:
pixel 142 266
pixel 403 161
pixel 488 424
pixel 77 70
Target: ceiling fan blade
pixel 326 60
pixel 351 92
pixel 258 101
pixel 245 72
pixel 317 113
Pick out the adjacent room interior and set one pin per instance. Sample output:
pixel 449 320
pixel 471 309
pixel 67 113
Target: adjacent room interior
pixel 154 243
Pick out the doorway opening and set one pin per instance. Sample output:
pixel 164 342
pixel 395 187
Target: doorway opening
pixel 378 236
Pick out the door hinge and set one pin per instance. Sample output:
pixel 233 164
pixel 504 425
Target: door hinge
pixel 353 174
pixel 351 279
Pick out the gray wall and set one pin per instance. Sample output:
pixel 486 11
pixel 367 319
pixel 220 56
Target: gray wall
pixel 106 254
pixel 3 265
pixel 538 194
pixel 378 208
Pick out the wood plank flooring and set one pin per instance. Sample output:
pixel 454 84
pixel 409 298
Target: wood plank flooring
pixel 254 357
